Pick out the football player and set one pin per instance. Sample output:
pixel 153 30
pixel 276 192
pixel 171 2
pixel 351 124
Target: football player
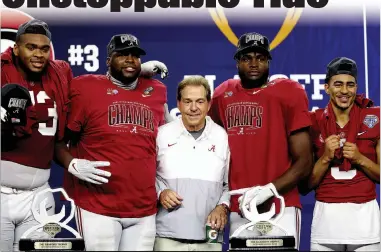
pixel 346 141
pixel 114 120
pixel 27 150
pixel 267 123
pixel 26 158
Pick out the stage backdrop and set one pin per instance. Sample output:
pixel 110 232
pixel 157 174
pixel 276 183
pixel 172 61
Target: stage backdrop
pixel 204 49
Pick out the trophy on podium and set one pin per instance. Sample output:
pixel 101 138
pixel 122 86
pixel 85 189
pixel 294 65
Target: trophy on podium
pixel 51 225
pixel 244 237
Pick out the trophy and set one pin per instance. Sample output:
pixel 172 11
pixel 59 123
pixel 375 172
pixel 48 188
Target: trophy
pixel 51 225
pixel 263 223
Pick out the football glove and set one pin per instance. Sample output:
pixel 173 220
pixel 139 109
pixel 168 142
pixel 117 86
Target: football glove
pixel 4 115
pixel 260 193
pixel 87 170
pixel 153 67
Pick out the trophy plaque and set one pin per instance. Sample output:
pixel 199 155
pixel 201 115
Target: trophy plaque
pixel 51 225
pixel 263 224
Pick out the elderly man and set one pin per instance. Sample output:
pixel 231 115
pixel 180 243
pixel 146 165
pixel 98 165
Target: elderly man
pixel 193 162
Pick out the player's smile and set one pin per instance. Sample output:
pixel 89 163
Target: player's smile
pixel 343 98
pixel 129 69
pixel 38 64
pixel 344 101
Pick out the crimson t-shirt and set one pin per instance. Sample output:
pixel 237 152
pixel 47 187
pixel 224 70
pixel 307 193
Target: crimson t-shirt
pixel 258 122
pixel 119 126
pixel 353 186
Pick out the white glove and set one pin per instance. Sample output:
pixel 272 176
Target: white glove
pixel 153 67
pixel 86 170
pixel 3 114
pixel 265 193
pixel 260 193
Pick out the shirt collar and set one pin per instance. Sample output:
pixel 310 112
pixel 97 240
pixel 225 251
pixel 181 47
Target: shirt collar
pixel 183 131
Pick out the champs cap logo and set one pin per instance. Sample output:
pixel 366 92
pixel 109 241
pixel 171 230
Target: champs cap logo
pixel 254 39
pixel 128 39
pixel 17 103
pixel 370 121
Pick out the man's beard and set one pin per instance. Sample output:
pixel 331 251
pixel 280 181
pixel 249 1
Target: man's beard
pixel 30 75
pixel 249 83
pixel 123 79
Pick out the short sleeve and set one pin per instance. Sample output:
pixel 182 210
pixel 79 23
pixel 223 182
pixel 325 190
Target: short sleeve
pixel 77 116
pixel 297 114
pixel 214 111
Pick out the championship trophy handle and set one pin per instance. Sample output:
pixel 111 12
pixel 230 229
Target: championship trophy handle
pixel 254 217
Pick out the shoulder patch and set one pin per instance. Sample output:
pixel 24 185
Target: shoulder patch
pixel 371 120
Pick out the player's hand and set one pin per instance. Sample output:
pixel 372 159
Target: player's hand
pixel 331 144
pixel 260 194
pixel 88 171
pixel 169 199
pixel 247 195
pixel 153 67
pixel 351 152
pixel 218 218
pixel 265 193
pixel 4 114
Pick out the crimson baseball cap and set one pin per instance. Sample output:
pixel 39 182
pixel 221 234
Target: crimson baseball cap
pixel 34 26
pixel 253 42
pixel 123 42
pixel 341 65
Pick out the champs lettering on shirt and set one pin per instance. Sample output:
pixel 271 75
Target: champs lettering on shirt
pixel 243 115
pixel 119 126
pixel 259 123
pixel 131 113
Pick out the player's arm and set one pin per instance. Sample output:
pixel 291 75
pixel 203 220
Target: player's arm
pixel 61 150
pixel 62 153
pixel 301 153
pixel 77 119
pixel 214 111
pixel 371 168
pixel 298 123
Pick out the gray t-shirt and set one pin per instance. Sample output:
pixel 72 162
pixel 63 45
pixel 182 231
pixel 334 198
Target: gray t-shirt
pixel 197 134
